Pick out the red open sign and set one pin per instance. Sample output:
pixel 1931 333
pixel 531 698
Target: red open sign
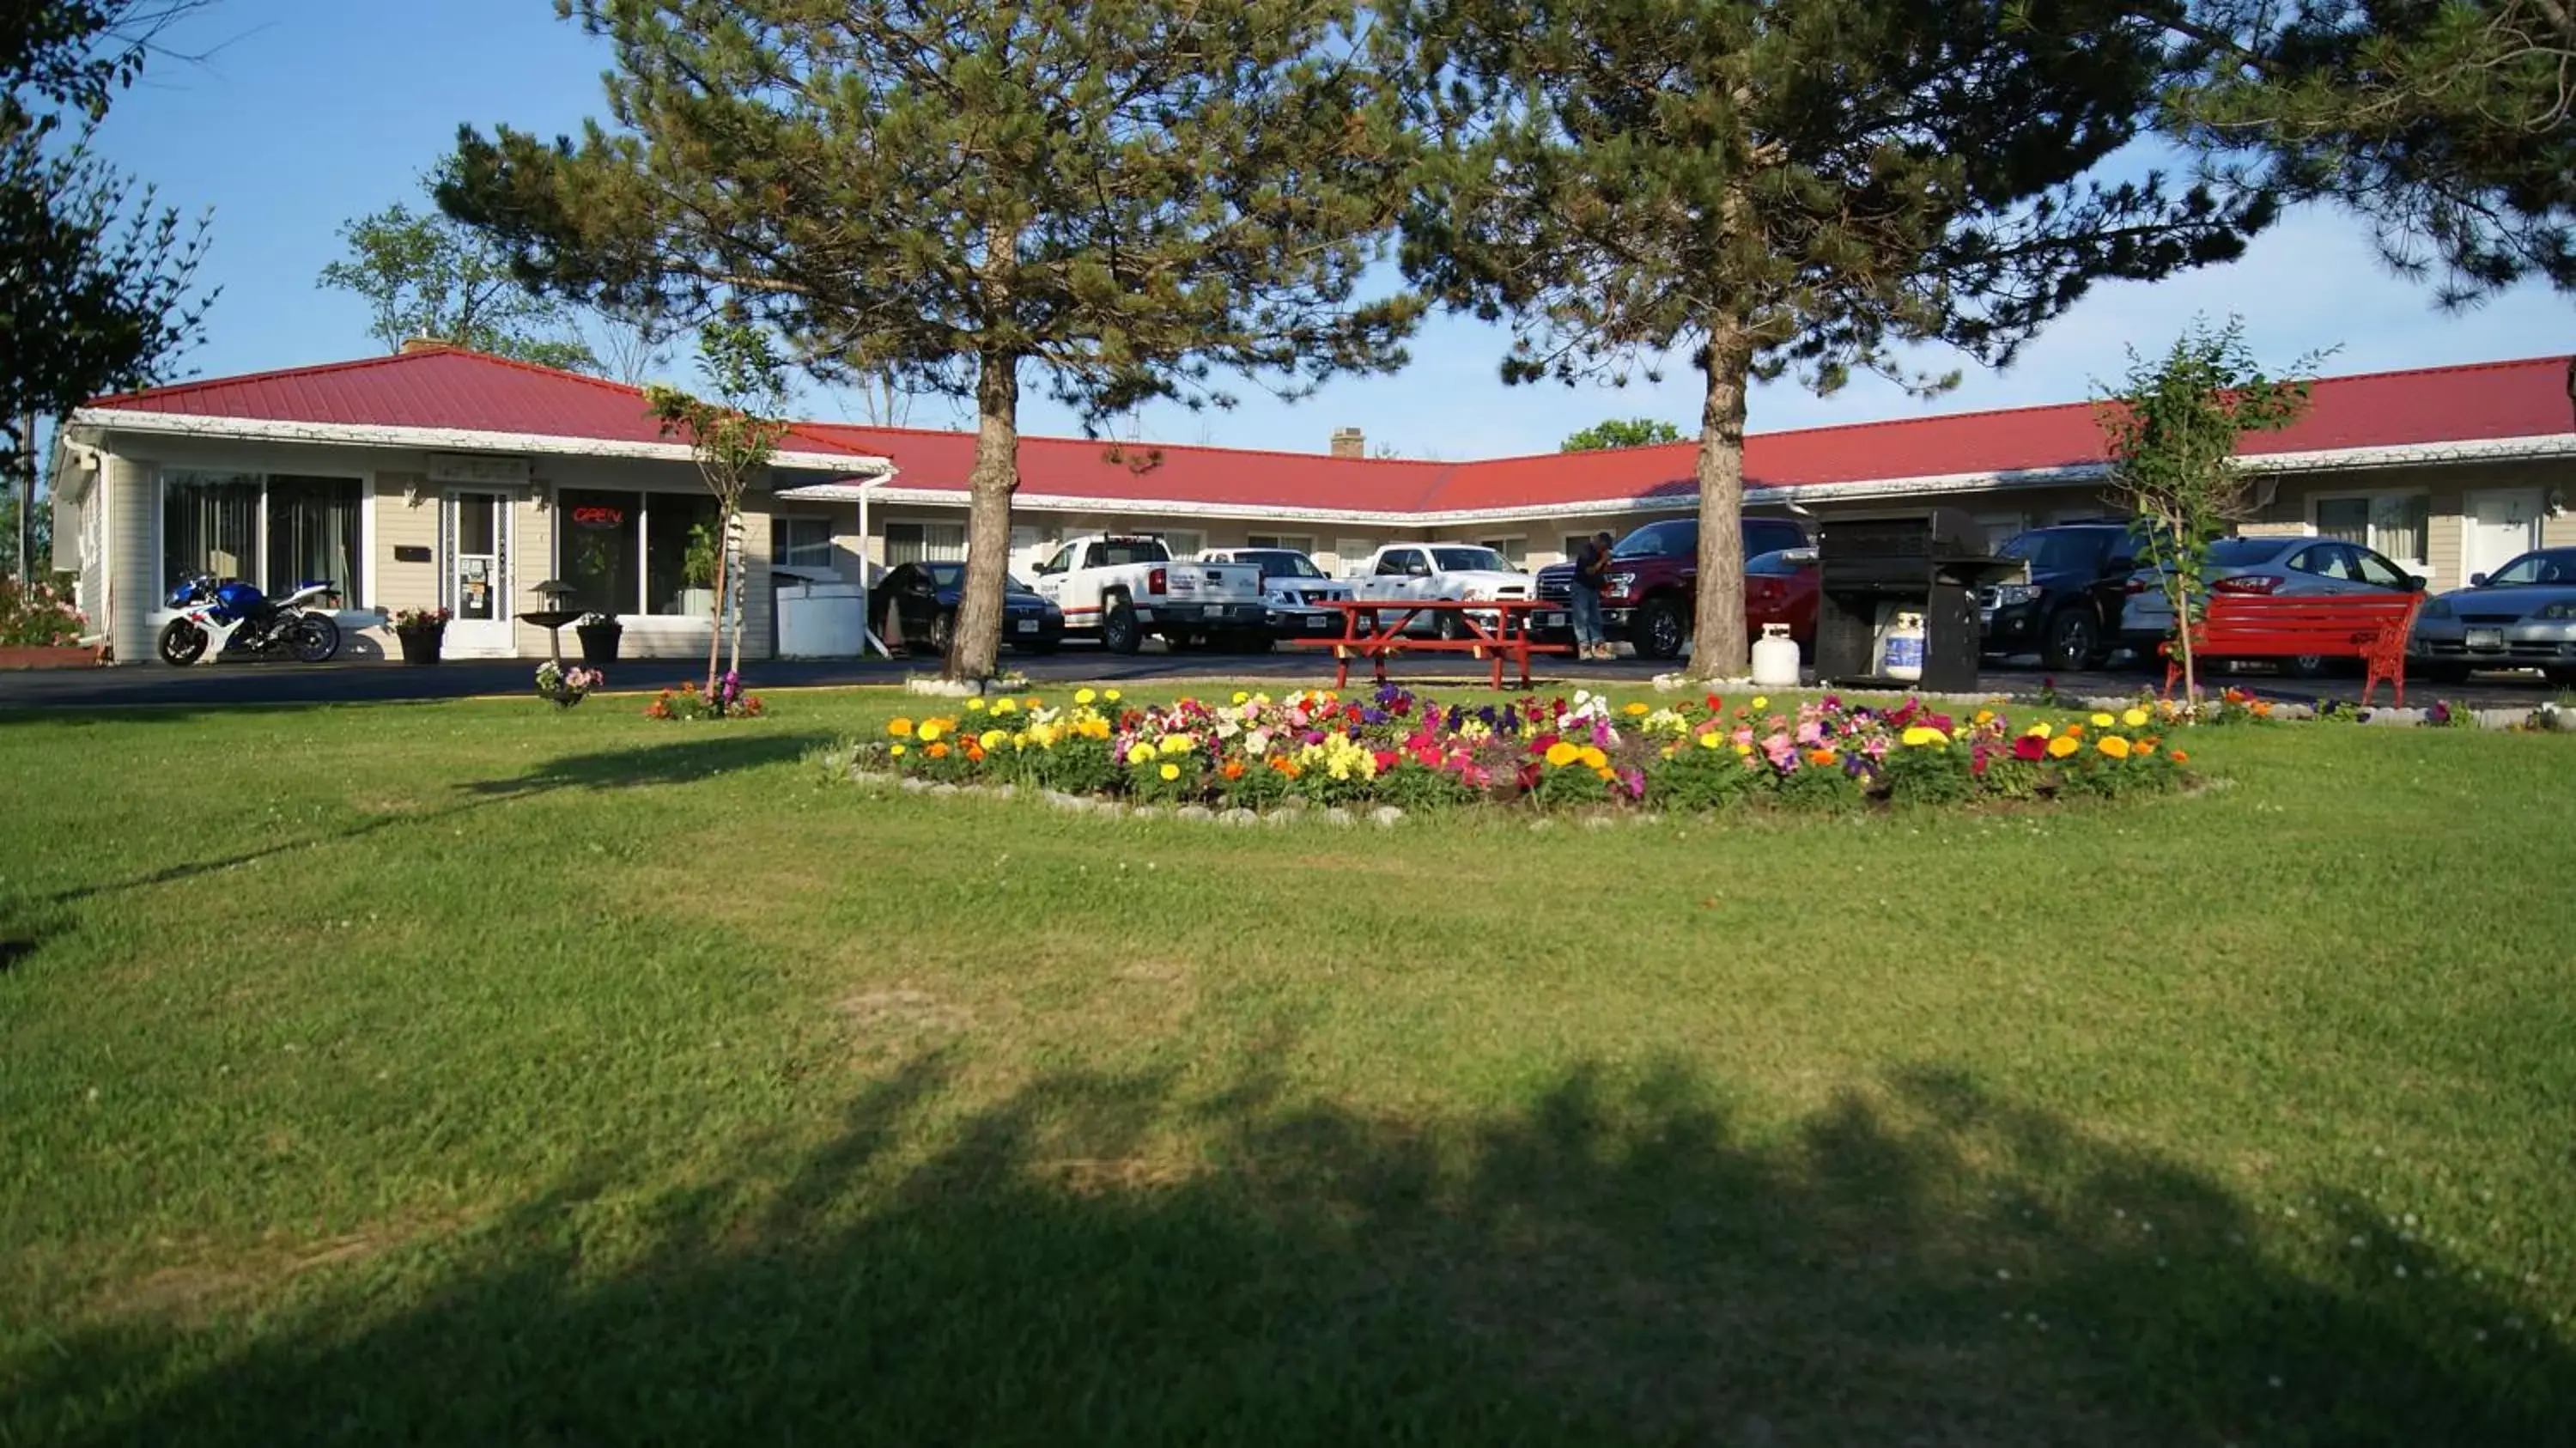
pixel 598 517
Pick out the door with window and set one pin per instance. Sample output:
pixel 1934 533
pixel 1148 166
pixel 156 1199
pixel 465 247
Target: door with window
pixel 477 583
pixel 2502 524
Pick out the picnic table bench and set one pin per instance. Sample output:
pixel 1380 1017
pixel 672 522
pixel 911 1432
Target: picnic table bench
pixel 1374 628
pixel 2371 627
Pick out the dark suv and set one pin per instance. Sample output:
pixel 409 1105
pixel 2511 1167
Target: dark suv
pixel 1651 591
pixel 2068 610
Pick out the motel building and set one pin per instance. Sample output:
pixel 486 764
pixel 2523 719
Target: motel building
pixel 444 477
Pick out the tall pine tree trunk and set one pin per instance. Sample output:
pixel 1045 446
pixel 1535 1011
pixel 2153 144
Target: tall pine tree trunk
pixel 976 646
pixel 1719 649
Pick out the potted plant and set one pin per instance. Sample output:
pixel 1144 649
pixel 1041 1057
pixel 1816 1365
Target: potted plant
pixel 698 573
pixel 599 633
pixel 420 632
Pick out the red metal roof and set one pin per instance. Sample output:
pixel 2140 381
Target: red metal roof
pixel 445 387
pixel 430 386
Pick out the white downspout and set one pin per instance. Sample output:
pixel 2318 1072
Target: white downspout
pixel 867 585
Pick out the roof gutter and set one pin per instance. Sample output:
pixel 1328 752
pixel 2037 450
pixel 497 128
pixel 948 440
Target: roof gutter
pixel 1686 499
pixel 440 439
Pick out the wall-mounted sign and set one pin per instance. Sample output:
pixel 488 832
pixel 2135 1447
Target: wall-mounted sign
pixel 494 472
pixel 411 553
pixel 598 517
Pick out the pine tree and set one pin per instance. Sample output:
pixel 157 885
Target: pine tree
pixel 1774 186
pixel 1125 197
pixel 2451 126
pixel 1613 432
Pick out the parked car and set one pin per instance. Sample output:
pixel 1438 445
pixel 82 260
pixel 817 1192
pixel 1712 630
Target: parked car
pixel 1651 593
pixel 2522 616
pixel 2067 606
pixel 1780 587
pixel 1455 571
pixel 2293 567
pixel 1294 590
pixel 914 608
pixel 1125 586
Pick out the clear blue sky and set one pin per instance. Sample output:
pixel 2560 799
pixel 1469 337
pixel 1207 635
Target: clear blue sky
pixel 313 111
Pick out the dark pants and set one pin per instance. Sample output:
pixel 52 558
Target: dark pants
pixel 1587 614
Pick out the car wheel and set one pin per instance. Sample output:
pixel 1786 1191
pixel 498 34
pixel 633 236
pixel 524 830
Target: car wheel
pixel 1660 630
pixel 1452 625
pixel 2073 643
pixel 943 632
pixel 1118 631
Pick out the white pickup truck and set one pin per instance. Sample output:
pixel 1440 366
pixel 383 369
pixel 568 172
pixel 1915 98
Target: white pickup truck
pixel 1297 593
pixel 1459 571
pixel 1122 587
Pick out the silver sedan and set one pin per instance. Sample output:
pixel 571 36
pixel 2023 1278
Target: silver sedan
pixel 2271 567
pixel 2522 616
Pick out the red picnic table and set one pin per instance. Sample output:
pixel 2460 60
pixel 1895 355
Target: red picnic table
pixel 1373 628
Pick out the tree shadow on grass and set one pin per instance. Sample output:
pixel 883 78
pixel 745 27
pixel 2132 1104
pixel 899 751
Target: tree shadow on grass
pixel 684 762
pixel 1619 1263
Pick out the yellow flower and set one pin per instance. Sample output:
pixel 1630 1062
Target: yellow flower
pixel 1176 744
pixel 1171 772
pixel 1712 740
pixel 1140 753
pixel 1922 735
pixel 2135 718
pixel 2062 746
pixel 1241 697
pixel 2103 721
pixel 1111 696
pixel 1744 749
pixel 1562 754
pixel 1608 775
pixel 1084 696
pixel 900 728
pixel 1636 711
pixel 1985 716
pixel 1593 758
pixel 1761 701
pixel 897 751
pixel 929 730
pixel 974 706
pixel 992 739
pixel 1003 706
pixel 1031 702
pixel 2113 745
pixel 2038 731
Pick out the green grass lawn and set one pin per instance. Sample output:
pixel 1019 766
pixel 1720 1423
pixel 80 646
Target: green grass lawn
pixel 472 1074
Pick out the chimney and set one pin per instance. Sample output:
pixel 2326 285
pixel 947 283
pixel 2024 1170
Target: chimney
pixel 1349 442
pixel 422 344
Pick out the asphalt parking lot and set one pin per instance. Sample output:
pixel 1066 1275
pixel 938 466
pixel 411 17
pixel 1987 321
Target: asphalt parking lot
pixel 252 684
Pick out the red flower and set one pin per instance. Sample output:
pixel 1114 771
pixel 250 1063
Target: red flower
pixel 1943 723
pixel 1388 759
pixel 1529 775
pixel 1716 705
pixel 1429 754
pixel 2030 749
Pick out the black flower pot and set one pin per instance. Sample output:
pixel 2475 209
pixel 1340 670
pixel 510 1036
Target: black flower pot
pixel 420 645
pixel 599 643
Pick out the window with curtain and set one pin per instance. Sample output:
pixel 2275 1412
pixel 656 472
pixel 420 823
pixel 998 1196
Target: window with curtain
pixel 209 524
pixel 803 542
pixel 312 534
pixel 600 548
pixel 674 523
pixel 1300 542
pixel 924 543
pixel 2398 525
pixel 1184 542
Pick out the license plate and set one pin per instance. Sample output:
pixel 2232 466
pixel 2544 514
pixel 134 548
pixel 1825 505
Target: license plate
pixel 1026 625
pixel 1553 620
pixel 1319 624
pixel 2485 638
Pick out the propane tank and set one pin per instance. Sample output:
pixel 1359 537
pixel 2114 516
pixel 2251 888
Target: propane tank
pixel 1775 658
pixel 1905 648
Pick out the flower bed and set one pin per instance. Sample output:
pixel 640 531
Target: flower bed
pixel 1405 750
pixel 729 701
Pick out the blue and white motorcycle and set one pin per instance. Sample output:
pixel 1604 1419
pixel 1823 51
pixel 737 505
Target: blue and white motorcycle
pixel 234 617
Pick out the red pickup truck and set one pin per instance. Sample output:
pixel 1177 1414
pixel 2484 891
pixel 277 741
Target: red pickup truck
pixel 1651 592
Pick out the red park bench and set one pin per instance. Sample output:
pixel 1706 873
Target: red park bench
pixel 2371 627
pixel 1495 629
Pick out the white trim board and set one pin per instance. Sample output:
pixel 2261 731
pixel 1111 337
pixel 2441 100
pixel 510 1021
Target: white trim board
pixel 437 439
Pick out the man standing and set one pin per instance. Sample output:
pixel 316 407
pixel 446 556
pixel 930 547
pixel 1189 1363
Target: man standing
pixel 1591 568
